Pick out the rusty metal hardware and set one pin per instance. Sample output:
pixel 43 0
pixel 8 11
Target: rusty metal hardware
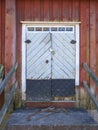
pixel 73 42
pixel 28 41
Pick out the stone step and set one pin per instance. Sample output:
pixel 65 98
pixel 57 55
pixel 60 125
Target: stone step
pixel 51 118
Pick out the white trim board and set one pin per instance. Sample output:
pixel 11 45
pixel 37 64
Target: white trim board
pixel 24 25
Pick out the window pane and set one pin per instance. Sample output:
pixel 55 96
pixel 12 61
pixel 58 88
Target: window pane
pixel 61 28
pixel 54 29
pixel 46 29
pixel 38 29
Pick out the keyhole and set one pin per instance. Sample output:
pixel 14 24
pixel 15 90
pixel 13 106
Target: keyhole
pixel 47 61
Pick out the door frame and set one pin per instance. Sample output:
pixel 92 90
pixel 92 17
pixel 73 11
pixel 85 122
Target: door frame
pixel 30 23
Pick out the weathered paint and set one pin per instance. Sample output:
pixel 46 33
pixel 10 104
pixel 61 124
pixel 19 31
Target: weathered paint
pixel 10 40
pixel 92 41
pixel 2 41
pixel 2 31
pixel 77 10
pixel 51 55
pixel 53 10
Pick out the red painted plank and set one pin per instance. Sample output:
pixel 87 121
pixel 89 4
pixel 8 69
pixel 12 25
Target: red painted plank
pixel 65 10
pixel 83 15
pixel 10 36
pixel 96 37
pixel 51 10
pixel 50 104
pixel 37 10
pixel 0 29
pixel 56 10
pixel 27 10
pixel 75 10
pixel 70 10
pixel 3 32
pixel 46 10
pixel 20 6
pixel 92 39
pixel 96 10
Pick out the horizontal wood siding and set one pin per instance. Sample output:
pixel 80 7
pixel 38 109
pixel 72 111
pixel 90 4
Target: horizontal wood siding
pixel 64 10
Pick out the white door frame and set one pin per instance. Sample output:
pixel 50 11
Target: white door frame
pixel 24 24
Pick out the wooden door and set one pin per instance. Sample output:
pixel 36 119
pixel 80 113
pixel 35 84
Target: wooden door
pixel 50 65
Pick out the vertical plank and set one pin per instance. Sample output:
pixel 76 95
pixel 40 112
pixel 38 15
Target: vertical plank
pixel 70 9
pixel 82 40
pixel 36 10
pixel 75 10
pixel 88 38
pixel 92 41
pixel 46 10
pixel 20 15
pixel 0 28
pixel 27 10
pixel 10 36
pixel 32 9
pixel 96 36
pixel 3 32
pixel 2 37
pixel 83 16
pixel 65 10
pixel 55 10
pixel 96 10
pixel 51 10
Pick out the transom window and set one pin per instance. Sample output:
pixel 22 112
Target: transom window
pixel 66 29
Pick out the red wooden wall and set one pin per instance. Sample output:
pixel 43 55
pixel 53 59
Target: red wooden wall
pixel 64 10
pixel 85 11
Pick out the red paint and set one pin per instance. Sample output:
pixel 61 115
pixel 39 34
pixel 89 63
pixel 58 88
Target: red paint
pixel 92 39
pixel 49 10
pixel 2 31
pixel 83 16
pixel 50 104
pixel 10 37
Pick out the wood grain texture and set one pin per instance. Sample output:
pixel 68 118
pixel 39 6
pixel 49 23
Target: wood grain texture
pixel 92 39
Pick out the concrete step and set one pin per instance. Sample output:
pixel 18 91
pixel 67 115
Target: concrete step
pixel 51 118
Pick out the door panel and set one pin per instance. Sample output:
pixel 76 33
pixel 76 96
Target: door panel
pixel 38 83
pixel 38 56
pixel 63 64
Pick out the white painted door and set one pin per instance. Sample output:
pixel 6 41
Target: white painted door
pixel 50 65
pixel 38 56
pixel 64 56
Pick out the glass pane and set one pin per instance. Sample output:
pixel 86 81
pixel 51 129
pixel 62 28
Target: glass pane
pixel 38 29
pixel 30 28
pixel 69 28
pixel 46 29
pixel 54 29
pixel 61 28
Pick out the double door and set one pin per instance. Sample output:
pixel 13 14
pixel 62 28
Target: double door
pixel 50 65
